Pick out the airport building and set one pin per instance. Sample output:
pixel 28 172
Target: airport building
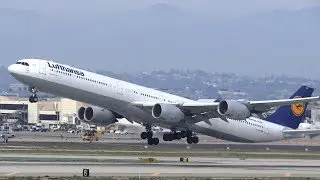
pixel 48 111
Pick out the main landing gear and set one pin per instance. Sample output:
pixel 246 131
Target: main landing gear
pixel 179 135
pixel 174 135
pixel 33 98
pixel 149 135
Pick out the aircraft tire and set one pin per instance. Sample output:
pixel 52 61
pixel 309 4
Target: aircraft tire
pixel 195 139
pixel 149 135
pixel 150 141
pixel 165 137
pixel 143 135
pixel 183 134
pixel 178 136
pixel 155 141
pixel 189 140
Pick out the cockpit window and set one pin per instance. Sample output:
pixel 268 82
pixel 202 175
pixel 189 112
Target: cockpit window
pixel 23 63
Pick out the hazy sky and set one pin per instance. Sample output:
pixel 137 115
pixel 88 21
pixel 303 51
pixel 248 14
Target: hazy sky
pixel 251 46
pixel 224 8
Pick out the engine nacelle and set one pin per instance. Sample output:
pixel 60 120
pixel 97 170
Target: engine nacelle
pixel 80 113
pixel 234 110
pixel 167 112
pixel 96 115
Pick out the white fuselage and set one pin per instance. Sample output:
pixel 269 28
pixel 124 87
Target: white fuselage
pixel 117 96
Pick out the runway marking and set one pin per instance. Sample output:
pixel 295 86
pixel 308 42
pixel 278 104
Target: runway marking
pixel 155 174
pixel 13 173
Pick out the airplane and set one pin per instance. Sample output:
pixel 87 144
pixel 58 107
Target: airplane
pixel 226 119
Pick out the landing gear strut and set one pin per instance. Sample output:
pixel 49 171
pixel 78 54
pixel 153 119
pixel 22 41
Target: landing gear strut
pixel 179 135
pixel 33 98
pixel 149 135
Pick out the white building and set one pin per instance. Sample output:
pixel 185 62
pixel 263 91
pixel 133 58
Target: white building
pixel 47 111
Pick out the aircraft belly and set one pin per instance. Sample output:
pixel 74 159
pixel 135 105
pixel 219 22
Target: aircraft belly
pixel 235 131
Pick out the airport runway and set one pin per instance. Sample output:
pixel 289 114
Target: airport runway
pixel 41 169
pixel 113 141
pixel 165 166
pixel 70 164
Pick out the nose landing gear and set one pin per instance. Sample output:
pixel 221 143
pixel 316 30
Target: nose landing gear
pixel 33 98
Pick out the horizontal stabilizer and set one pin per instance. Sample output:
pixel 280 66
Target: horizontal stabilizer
pixel 304 131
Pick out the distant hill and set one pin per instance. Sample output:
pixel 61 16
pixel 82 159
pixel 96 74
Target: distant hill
pixel 201 84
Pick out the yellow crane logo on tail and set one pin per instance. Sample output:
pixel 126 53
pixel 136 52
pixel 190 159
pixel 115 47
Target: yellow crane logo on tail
pixel 297 108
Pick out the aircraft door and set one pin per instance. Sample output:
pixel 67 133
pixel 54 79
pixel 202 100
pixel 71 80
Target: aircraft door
pixel 42 67
pixel 119 88
pixel 266 129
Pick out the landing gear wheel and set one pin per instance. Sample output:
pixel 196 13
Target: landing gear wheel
pixel 189 140
pixel 178 136
pixel 33 98
pixel 149 134
pixel 143 135
pixel 183 134
pixel 168 137
pixel 195 139
pixel 150 141
pixel 155 141
pixel 165 137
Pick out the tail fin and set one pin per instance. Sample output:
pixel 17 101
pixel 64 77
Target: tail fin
pixel 292 115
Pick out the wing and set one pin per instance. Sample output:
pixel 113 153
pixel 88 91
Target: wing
pixel 263 106
pixel 208 109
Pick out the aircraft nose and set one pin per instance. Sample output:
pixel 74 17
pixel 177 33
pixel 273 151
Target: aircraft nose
pixel 12 68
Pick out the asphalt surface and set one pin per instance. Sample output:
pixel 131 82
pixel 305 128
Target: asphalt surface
pixel 25 164
pixel 113 141
pixel 165 166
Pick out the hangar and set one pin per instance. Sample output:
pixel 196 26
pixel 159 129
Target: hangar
pixel 48 111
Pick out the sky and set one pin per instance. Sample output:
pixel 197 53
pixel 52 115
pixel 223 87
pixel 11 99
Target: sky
pixel 216 8
pixel 200 47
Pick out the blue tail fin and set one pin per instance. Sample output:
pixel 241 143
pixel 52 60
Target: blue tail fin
pixel 292 115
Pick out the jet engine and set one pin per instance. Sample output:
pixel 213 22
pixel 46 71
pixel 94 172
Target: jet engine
pixel 96 115
pixel 234 110
pixel 167 112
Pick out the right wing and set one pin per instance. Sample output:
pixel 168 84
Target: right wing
pixel 210 108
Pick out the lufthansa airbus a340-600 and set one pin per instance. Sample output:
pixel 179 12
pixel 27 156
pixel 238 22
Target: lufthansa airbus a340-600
pixel 232 120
